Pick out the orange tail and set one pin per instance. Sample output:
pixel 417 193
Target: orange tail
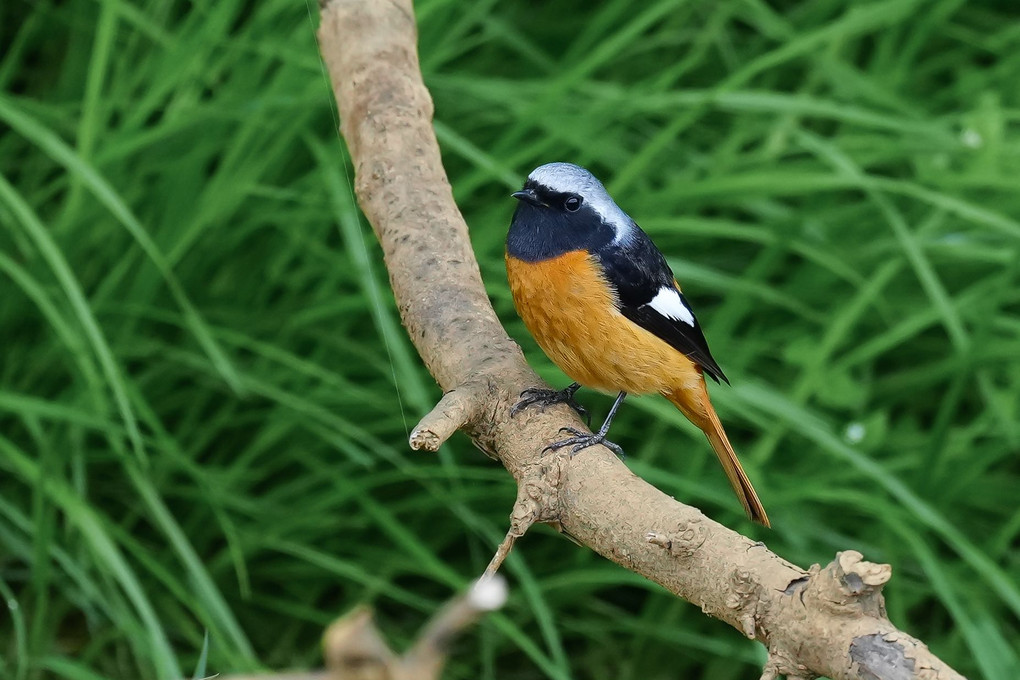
pixel 699 411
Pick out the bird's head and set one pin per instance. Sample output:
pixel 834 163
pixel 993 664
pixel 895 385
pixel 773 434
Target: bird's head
pixel 568 205
pixel 570 190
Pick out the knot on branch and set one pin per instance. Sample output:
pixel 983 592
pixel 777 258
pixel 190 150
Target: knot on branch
pixel 538 494
pixel 745 594
pixel 847 592
pixel 538 500
pixel 859 577
pixel 480 406
pixel 470 406
pixel 682 541
pixel 457 409
pixel 851 585
pixel 782 664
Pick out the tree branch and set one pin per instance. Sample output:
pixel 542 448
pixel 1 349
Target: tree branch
pixel 355 649
pixel 827 621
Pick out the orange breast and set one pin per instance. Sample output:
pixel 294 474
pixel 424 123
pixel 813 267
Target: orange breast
pixel 571 311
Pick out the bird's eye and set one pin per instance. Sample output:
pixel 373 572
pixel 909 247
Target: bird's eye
pixel 572 204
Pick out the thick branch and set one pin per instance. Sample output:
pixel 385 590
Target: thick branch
pixel 819 622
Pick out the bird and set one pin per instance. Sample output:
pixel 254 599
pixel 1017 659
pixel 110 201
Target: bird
pixel 602 303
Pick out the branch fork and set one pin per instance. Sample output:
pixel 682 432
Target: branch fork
pixel 356 650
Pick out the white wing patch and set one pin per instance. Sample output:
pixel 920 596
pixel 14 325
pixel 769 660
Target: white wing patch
pixel 668 303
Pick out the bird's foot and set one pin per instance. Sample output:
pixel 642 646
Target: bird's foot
pixel 544 397
pixel 582 440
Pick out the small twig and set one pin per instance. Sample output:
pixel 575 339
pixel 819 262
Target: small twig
pixel 355 650
pixel 505 546
pixel 454 411
pixel 426 658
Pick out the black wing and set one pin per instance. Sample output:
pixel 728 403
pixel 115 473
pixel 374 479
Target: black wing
pixel 638 272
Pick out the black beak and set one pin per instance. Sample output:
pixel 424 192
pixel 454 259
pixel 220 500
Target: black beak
pixel 528 196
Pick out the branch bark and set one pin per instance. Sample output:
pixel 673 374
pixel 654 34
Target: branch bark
pixel 822 621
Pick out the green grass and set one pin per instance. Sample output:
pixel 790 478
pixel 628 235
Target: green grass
pixel 205 393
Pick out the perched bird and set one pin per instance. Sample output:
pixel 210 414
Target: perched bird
pixel 602 303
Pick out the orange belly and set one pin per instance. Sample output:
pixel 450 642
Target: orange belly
pixel 571 311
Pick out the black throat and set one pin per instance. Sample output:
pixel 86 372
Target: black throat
pixel 541 233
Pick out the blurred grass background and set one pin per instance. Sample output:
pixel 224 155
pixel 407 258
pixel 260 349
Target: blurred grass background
pixel 205 392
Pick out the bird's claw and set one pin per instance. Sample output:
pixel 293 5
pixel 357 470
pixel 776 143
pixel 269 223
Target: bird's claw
pixel 582 440
pixel 545 397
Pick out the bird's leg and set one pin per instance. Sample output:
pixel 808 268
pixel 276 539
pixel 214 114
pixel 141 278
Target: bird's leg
pixel 543 397
pixel 581 440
